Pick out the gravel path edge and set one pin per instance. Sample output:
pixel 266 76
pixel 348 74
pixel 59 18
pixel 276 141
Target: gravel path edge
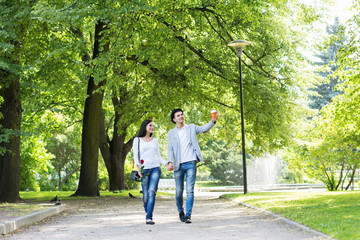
pixel 11 226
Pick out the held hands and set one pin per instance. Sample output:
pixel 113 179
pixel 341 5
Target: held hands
pixel 170 166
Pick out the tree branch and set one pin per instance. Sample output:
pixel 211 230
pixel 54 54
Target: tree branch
pixel 71 6
pixel 77 32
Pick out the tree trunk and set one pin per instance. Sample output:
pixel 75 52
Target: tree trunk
pixel 59 176
pixel 88 184
pixel 114 152
pixel 120 149
pixel 11 121
pixel 341 173
pixel 330 182
pixel 116 174
pixel 352 177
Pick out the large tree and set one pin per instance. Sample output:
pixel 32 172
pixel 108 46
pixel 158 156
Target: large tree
pixel 92 118
pixel 15 19
pixel 325 90
pixel 69 22
pixel 10 160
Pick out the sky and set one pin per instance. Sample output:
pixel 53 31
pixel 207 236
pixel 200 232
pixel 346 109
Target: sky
pixel 341 9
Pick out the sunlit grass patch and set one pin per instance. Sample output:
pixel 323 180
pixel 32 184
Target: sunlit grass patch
pixel 9 211
pixel 209 184
pixel 66 195
pixel 334 213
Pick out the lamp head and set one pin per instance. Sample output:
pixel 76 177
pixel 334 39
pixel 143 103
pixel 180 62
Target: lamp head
pixel 239 45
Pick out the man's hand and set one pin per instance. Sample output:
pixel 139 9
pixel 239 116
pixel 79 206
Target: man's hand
pixel 214 119
pixel 170 166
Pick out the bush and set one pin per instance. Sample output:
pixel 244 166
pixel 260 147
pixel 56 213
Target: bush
pixel 224 162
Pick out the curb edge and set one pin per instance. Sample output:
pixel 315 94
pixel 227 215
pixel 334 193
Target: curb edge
pixel 10 226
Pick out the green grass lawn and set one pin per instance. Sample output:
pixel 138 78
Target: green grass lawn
pixel 336 214
pixel 9 211
pixel 209 184
pixel 66 195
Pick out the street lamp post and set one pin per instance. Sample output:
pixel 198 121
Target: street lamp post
pixel 239 45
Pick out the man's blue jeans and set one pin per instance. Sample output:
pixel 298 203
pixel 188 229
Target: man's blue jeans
pixel 188 170
pixel 149 185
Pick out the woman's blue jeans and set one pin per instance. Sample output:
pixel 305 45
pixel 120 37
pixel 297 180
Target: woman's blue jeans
pixel 188 170
pixel 149 185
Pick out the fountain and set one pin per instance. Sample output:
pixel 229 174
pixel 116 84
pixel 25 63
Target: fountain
pixel 264 172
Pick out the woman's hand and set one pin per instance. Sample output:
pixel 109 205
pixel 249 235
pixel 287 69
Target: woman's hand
pixel 170 166
pixel 139 171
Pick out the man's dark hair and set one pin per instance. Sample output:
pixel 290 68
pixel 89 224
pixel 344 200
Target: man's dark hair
pixel 173 113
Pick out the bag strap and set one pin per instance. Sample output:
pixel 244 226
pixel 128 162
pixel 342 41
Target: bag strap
pixel 138 151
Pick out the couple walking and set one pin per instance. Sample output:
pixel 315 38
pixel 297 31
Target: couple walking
pixel 183 154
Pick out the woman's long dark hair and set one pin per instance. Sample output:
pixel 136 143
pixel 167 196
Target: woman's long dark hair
pixel 142 131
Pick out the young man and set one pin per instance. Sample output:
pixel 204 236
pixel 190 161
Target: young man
pixel 183 154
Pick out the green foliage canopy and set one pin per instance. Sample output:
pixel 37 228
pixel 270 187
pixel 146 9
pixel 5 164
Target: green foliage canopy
pixel 330 148
pixel 165 54
pixel 182 50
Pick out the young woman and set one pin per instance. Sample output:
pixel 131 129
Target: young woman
pixel 148 165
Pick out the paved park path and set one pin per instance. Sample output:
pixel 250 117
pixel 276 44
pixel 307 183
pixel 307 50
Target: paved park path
pixel 119 218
